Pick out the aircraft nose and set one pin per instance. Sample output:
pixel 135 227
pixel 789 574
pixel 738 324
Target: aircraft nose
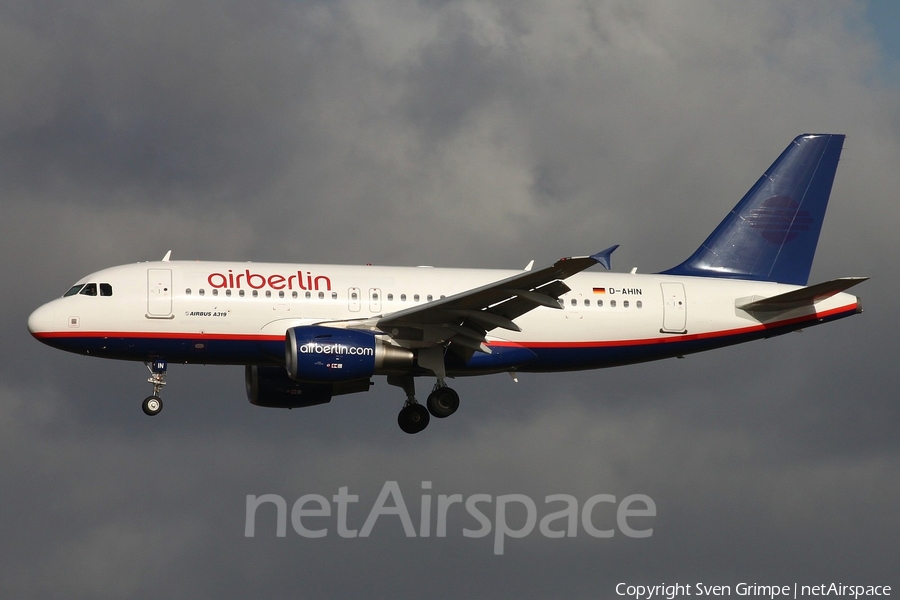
pixel 41 321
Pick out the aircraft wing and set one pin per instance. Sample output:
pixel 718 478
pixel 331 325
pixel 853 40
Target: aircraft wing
pixel 465 318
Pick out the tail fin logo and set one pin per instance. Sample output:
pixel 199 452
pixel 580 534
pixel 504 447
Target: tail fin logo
pixel 772 233
pixel 779 220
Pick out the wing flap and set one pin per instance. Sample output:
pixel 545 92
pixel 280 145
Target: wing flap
pixel 465 318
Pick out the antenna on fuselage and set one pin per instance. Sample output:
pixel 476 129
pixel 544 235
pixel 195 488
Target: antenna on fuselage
pixel 167 256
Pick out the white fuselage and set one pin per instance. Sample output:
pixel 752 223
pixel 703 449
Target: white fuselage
pixel 238 313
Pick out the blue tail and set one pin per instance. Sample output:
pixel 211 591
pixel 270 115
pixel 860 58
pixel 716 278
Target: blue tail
pixel 771 234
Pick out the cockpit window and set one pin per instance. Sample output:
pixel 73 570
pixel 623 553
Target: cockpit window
pixel 90 289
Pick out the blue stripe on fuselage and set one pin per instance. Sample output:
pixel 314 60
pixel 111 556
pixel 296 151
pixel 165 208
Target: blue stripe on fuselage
pixel 547 357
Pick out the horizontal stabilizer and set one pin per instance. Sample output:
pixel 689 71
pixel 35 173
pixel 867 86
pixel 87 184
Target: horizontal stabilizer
pixel 803 297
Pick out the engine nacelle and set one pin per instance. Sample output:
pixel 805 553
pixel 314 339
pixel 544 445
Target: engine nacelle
pixel 272 388
pixel 326 354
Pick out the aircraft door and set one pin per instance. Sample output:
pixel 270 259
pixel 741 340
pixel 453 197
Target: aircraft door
pixel 159 293
pixel 674 308
pixel 375 300
pixel 353 299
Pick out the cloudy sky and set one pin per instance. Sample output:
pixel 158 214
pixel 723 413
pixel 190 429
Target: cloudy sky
pixel 452 133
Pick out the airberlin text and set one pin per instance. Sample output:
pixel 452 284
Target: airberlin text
pixel 313 348
pixel 294 281
pixel 514 515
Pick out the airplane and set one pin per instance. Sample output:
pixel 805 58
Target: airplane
pixel 306 333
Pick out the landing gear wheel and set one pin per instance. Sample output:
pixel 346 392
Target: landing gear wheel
pixel 151 405
pixel 442 402
pixel 413 418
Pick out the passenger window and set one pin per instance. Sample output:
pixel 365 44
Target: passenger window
pixel 402 297
pixel 334 295
pixel 202 292
pixel 228 292
pixel 73 290
pixel 215 292
pixel 587 302
pixel 281 294
pixel 187 292
pixel 321 295
pixel 308 295
pixel 600 303
pixel 574 302
pixel 625 303
pixel 390 297
pixel 256 293
pixel 241 293
pixel 639 304
pixel 415 298
pixel 612 303
pixel 294 295
pixel 90 289
pixel 268 293
pixel 105 289
pixel 430 298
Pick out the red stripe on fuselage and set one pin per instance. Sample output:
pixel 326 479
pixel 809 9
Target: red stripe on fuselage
pixel 850 308
pixel 677 337
pixel 156 335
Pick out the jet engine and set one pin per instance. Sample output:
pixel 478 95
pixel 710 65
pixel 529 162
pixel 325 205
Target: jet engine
pixel 272 388
pixel 327 354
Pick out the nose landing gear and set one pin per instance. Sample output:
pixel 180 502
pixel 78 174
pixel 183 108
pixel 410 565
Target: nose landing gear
pixel 152 405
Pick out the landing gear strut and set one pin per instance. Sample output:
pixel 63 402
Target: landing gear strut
pixel 152 404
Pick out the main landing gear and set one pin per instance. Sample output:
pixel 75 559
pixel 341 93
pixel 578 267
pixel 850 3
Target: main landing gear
pixel 441 403
pixel 152 405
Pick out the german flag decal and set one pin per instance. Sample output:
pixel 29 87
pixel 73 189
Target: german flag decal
pixel 599 290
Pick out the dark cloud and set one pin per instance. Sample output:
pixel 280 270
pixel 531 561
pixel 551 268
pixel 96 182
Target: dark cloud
pixel 456 134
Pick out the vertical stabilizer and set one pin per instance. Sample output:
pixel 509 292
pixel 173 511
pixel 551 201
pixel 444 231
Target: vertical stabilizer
pixel 771 234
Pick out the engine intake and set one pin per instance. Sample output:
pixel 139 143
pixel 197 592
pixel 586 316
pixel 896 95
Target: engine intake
pixel 327 354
